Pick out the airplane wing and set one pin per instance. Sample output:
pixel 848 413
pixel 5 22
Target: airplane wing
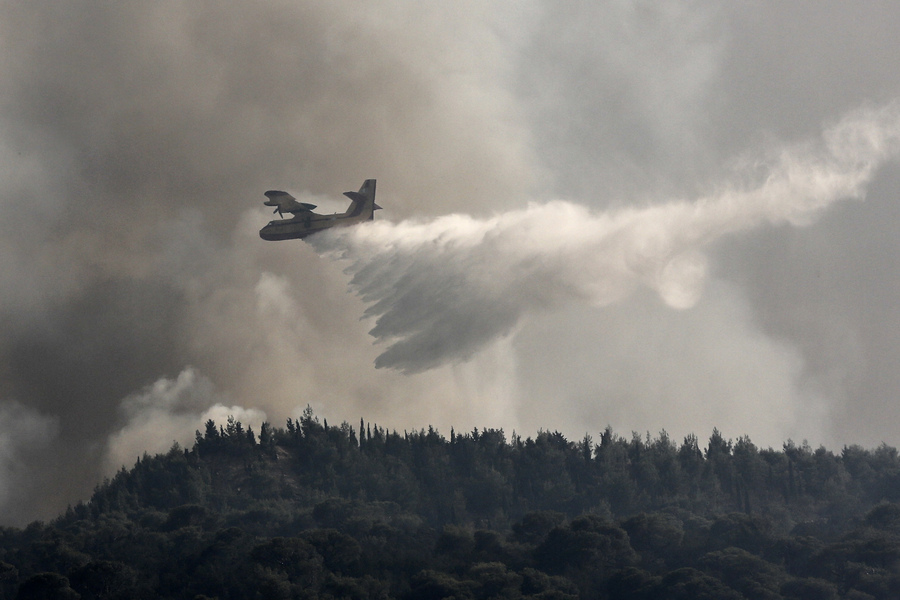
pixel 284 202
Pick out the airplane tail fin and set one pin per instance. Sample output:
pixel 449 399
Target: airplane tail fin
pixel 363 200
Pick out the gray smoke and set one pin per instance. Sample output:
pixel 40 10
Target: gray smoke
pixel 137 300
pixel 134 141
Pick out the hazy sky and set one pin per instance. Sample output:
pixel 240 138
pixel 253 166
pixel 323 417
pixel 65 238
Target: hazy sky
pixel 649 215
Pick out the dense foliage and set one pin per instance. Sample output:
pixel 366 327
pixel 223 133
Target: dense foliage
pixel 313 511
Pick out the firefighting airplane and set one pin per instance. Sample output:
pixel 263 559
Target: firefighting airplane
pixel 305 222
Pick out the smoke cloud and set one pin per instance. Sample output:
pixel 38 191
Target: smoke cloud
pixel 25 435
pixel 440 290
pixel 168 412
pixel 133 142
pixel 665 287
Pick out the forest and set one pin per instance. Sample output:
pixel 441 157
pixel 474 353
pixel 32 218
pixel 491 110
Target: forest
pixel 318 511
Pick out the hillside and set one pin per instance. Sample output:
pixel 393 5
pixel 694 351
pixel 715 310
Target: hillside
pixel 312 511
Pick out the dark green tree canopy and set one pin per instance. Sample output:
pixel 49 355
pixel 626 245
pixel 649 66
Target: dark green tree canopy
pixel 318 511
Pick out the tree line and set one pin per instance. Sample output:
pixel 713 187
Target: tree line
pixel 318 511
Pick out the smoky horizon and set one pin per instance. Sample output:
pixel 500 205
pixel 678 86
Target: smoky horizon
pixel 677 218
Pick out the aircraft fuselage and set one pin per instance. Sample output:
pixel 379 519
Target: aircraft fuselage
pixel 303 225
